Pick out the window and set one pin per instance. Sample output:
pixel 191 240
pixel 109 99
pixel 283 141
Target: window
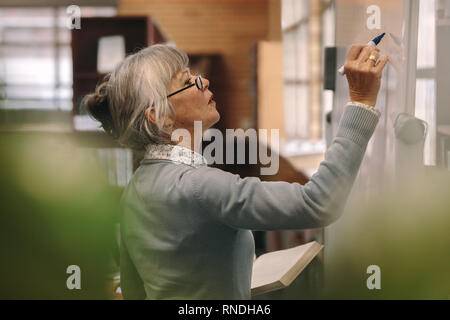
pixel 425 105
pixel 35 57
pixel 307 27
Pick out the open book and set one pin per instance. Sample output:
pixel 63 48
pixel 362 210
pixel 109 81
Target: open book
pixel 276 270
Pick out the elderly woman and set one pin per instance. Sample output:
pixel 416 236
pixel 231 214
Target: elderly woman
pixel 186 227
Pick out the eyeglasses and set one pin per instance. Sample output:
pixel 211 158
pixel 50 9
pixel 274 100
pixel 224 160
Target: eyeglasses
pixel 198 83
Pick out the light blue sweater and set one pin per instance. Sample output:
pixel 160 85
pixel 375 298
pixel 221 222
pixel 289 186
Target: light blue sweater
pixel 185 230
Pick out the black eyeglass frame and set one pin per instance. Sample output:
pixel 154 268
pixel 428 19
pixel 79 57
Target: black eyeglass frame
pixel 197 82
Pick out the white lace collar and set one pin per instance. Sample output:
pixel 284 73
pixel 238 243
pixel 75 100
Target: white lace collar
pixel 176 154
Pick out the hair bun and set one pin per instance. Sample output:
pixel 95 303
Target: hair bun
pixel 97 106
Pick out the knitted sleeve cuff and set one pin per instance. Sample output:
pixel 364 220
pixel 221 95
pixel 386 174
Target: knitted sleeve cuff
pixel 362 105
pixel 358 123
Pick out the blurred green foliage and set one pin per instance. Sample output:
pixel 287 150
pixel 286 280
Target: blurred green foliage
pixel 406 232
pixel 57 209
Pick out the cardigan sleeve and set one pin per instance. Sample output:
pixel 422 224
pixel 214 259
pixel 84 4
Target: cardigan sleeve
pixel 252 204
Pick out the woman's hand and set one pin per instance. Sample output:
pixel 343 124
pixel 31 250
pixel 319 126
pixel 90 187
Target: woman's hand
pixel 364 74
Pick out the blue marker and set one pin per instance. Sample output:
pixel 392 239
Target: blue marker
pixel 371 43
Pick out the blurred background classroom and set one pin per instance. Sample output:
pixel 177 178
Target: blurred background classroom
pixel 272 65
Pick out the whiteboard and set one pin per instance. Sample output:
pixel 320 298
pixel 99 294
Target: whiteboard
pixel 387 158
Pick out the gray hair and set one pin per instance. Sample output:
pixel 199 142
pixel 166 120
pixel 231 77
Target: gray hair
pixel 140 81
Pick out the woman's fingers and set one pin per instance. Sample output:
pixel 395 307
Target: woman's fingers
pixel 364 74
pixel 373 58
pixel 366 52
pixel 381 64
pixel 354 51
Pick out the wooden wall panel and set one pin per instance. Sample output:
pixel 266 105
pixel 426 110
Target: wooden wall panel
pixel 226 27
pixel 270 87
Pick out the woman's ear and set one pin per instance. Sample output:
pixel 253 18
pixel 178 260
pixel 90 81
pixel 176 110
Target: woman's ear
pixel 150 114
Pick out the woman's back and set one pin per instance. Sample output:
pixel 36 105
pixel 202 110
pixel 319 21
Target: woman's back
pixel 171 248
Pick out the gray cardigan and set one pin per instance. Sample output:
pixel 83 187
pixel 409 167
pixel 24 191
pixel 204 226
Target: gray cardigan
pixel 185 230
